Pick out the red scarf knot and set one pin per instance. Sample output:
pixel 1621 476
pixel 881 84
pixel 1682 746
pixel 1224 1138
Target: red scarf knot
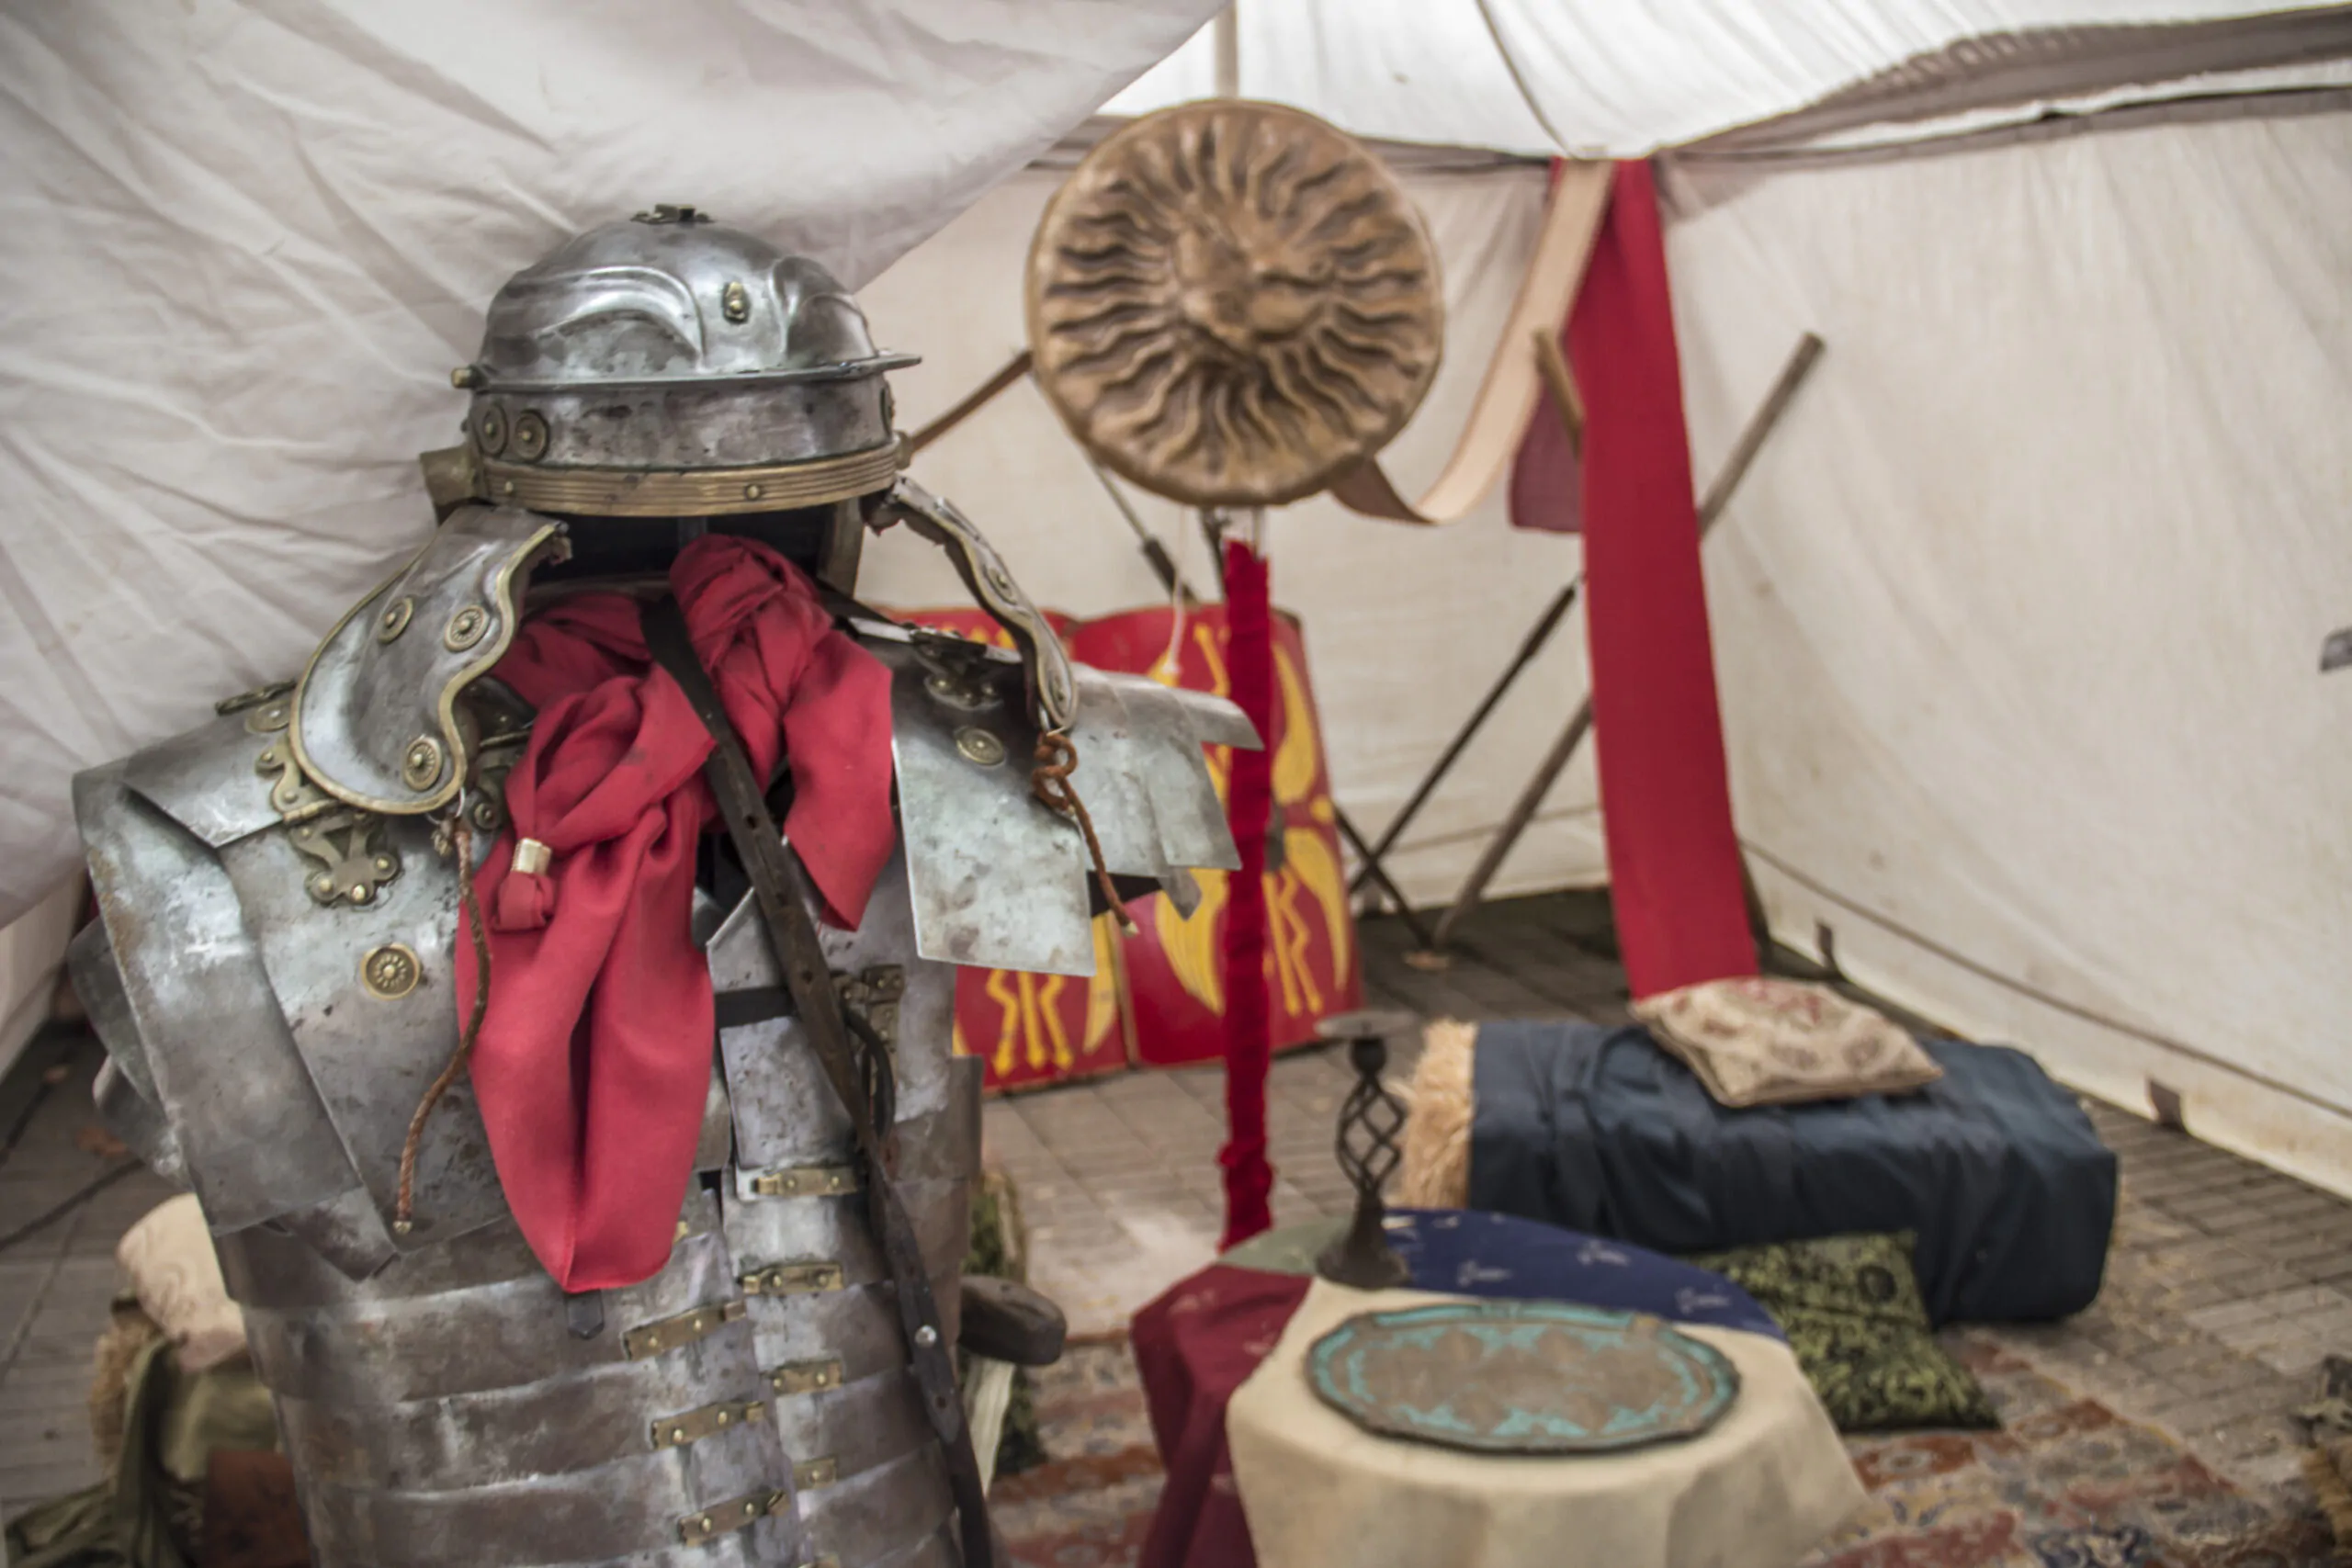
pixel 594 1060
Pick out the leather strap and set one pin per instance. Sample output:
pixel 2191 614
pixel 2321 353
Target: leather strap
pixel 859 1073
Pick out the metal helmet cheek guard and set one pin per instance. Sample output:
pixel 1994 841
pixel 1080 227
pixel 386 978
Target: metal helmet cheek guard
pixel 671 366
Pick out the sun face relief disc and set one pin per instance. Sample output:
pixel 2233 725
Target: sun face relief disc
pixel 1233 303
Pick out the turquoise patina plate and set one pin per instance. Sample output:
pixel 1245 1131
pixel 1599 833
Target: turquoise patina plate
pixel 1521 1377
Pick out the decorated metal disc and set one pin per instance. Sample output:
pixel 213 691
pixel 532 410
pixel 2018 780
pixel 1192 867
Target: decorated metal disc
pixel 1233 303
pixel 1521 1377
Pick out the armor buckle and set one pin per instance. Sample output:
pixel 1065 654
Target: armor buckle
pixel 736 1513
pixel 805 1377
pixel 693 1426
pixel 797 1181
pixel 669 1333
pixel 794 1280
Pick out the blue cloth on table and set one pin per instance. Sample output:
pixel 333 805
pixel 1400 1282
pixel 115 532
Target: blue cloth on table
pixel 1994 1168
pixel 1470 1253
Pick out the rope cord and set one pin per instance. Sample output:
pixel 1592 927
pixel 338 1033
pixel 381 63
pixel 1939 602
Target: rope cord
pixel 403 1213
pixel 1056 759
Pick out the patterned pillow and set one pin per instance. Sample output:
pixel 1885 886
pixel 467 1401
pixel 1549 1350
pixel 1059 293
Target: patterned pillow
pixel 1759 1041
pixel 172 1265
pixel 1851 1308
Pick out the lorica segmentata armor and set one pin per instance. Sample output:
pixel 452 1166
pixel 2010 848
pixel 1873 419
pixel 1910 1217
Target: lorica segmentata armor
pixel 274 971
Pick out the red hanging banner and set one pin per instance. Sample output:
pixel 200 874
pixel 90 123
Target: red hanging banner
pixel 1674 869
pixel 1248 1177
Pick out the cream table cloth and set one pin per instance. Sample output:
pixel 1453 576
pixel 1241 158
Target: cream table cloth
pixel 1757 1490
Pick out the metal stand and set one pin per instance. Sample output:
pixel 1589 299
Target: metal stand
pixel 1555 761
pixel 1370 1120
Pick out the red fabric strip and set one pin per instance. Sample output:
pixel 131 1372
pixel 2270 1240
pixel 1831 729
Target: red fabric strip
pixel 1674 869
pixel 595 1058
pixel 1249 802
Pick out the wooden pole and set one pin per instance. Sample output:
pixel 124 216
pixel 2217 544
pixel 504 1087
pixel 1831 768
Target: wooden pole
pixel 1015 368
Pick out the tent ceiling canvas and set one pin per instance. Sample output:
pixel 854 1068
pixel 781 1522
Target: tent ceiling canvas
pixel 1624 78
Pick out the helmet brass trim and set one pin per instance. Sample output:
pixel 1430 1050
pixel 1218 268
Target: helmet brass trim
pixel 704 492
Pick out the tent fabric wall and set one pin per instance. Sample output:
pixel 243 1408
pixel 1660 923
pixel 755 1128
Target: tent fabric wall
pixel 2017 618
pixel 245 241
pixel 1405 626
pixel 1619 79
pixel 32 951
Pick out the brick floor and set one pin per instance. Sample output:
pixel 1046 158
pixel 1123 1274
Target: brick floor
pixel 2225 1284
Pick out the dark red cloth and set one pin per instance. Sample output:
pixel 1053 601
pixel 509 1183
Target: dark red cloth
pixel 1194 1347
pixel 1546 478
pixel 1674 869
pixel 595 1058
pixel 1250 804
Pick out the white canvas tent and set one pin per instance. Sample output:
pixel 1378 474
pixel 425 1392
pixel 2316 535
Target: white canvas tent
pixel 2017 618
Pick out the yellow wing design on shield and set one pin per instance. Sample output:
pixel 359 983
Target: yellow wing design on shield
pixel 1194 948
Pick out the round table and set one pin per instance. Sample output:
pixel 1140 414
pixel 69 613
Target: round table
pixel 1246 1438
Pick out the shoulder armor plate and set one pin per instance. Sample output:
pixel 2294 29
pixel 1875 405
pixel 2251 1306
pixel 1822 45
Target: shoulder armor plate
pixel 1001 881
pixel 374 716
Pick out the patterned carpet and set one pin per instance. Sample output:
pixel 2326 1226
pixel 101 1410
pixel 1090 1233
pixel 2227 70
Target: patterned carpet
pixel 2065 1483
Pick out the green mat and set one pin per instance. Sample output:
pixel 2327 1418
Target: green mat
pixel 1851 1308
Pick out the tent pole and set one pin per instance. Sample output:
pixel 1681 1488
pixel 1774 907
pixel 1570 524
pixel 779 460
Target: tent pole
pixel 1743 454
pixel 1423 936
pixel 1554 367
pixel 974 402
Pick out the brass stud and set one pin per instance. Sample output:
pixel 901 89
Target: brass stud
pixel 653 1341
pixel 677 1433
pixel 979 746
pixel 735 302
pixel 395 619
pixel 464 377
pixel 506 487
pixel 530 437
pixel 722 1418
pixel 467 628
pixel 361 893
pixel 753 492
pixel 390 971
pixel 750 1510
pixel 421 768
pixel 490 430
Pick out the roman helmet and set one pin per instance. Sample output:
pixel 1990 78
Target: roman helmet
pixel 680 376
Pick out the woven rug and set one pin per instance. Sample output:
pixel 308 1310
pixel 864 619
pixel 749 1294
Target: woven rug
pixel 2065 1483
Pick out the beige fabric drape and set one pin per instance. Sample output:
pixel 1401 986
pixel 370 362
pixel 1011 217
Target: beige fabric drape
pixel 1757 1491
pixel 1506 399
